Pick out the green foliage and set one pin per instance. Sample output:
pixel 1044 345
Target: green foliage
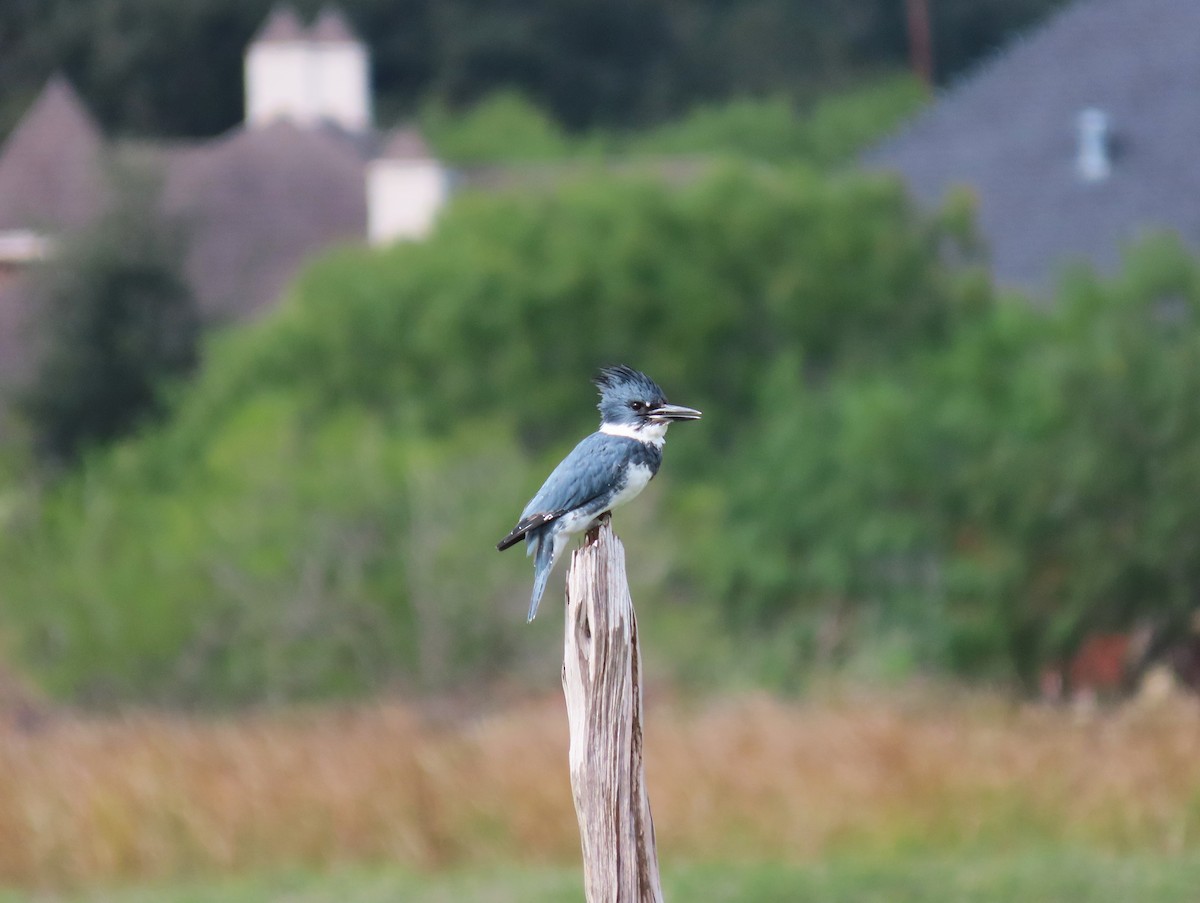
pixel 503 127
pixel 759 129
pixel 174 67
pixel 841 125
pixel 518 297
pixel 507 128
pixel 319 515
pixel 989 876
pixel 896 470
pixel 997 497
pixel 292 558
pixel 144 66
pixel 828 134
pixel 1084 498
pixel 116 319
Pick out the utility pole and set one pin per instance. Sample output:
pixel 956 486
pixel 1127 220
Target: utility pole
pixel 920 40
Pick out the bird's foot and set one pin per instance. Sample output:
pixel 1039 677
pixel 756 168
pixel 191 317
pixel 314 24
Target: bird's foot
pixel 593 531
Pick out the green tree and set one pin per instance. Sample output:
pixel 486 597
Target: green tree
pixel 116 319
pixel 502 127
pixel 995 497
pixel 318 515
pixel 1078 495
pixel 174 67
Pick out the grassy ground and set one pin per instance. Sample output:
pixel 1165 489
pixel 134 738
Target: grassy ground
pixel 1042 877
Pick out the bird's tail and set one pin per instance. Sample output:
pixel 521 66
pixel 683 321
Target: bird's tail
pixel 543 563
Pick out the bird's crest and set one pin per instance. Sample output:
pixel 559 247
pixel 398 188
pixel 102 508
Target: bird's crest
pixel 626 382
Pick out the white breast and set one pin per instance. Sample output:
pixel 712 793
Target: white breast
pixel 637 477
pixel 576 522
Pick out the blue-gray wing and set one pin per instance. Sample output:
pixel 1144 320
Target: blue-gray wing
pixel 594 467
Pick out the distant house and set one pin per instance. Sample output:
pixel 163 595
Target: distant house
pixel 1075 140
pixel 306 170
pixel 48 185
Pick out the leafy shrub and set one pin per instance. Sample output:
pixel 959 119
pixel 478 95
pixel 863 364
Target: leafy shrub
pixel 998 497
pixel 507 128
pixel 318 516
pixel 117 319
pixel 893 465
pixel 295 558
pixel 827 135
pixel 502 127
pixel 516 298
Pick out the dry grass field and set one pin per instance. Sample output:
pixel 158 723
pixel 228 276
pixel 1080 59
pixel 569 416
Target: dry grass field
pixel 155 797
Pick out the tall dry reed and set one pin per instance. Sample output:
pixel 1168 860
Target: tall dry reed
pixel 86 800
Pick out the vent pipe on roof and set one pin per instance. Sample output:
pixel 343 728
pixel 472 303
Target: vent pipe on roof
pixel 1094 163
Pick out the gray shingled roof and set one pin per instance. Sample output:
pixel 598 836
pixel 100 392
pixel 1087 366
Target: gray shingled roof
pixel 404 143
pixel 258 203
pixel 51 179
pixel 50 167
pixel 282 26
pixel 331 27
pixel 1009 132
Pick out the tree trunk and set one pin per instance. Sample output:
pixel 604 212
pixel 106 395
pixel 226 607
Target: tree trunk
pixel 602 673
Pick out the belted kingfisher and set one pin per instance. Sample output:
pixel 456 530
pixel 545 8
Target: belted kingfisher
pixel 605 470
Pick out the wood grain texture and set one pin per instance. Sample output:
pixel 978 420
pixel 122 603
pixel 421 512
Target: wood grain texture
pixel 602 674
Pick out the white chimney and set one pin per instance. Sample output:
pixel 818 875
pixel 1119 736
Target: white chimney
pixel 342 73
pixel 406 189
pixel 278 83
pixel 308 75
pixel 1094 162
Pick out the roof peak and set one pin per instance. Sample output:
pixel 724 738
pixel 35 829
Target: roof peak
pixel 59 104
pixel 404 143
pixel 285 26
pixel 49 164
pixel 332 27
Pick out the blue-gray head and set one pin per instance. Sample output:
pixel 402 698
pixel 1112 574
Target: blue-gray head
pixel 632 404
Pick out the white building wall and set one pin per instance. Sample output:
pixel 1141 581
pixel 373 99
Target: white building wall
pixel 342 84
pixel 280 84
pixel 21 246
pixel 404 198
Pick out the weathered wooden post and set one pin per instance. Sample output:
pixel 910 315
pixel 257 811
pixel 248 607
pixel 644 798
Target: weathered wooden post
pixel 602 682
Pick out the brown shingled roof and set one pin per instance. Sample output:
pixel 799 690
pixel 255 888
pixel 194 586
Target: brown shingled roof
pixel 50 174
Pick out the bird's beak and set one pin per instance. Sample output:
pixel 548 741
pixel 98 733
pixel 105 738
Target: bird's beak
pixel 666 413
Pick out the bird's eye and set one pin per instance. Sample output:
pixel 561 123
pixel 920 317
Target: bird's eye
pixel 636 405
